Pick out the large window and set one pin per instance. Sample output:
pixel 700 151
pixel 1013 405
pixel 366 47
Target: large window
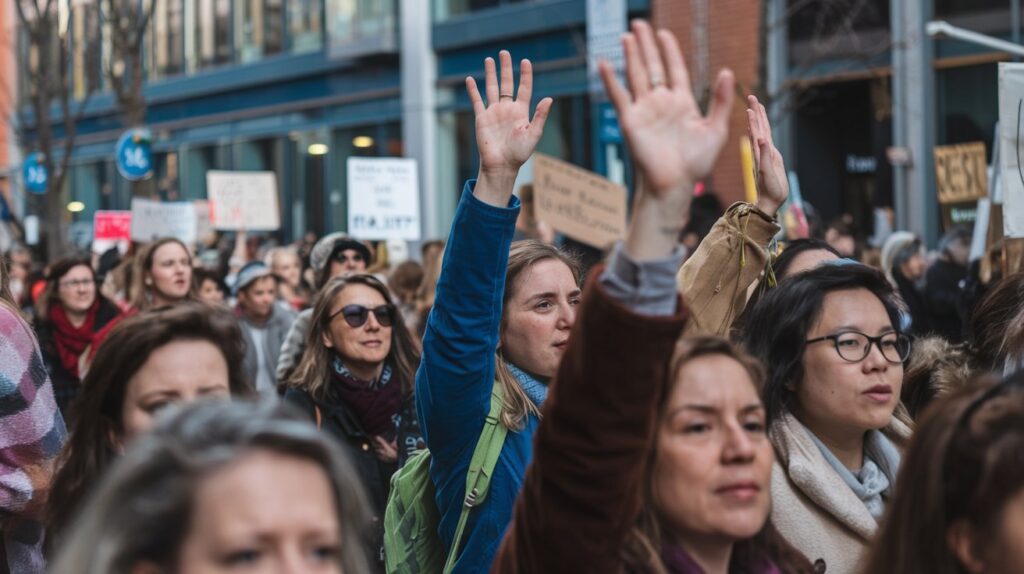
pixel 210 44
pixel 86 48
pixel 359 27
pixel 444 9
pixel 166 43
pixel 305 25
pixel 259 28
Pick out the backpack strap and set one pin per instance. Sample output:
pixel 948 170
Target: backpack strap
pixel 481 468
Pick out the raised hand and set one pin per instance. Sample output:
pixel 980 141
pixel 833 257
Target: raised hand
pixel 769 167
pixel 670 141
pixel 505 135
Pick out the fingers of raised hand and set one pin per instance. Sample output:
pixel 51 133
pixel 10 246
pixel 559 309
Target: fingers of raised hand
pixel 474 96
pixel 721 103
pixel 678 77
pixel 490 81
pixel 616 92
pixel 636 72
pixel 525 92
pixel 507 88
pixel 649 52
pixel 540 116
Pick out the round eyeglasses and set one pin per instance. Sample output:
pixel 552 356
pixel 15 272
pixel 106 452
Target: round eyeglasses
pixel 854 346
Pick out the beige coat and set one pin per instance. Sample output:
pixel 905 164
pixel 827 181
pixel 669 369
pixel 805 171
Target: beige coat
pixel 811 505
pixel 716 278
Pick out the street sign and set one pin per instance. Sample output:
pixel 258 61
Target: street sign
pixel 35 174
pixel 135 155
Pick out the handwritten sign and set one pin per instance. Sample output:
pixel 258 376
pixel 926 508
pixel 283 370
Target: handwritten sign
pixel 1011 124
pixel 243 200
pixel 579 203
pixel 112 225
pixel 155 219
pixel 383 198
pixel 961 172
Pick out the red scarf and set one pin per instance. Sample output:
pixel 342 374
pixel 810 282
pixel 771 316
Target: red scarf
pixel 72 341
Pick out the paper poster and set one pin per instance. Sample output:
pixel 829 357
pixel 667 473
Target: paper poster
pixel 1011 126
pixel 155 219
pixel 383 198
pixel 961 173
pixel 243 200
pixel 112 225
pixel 579 203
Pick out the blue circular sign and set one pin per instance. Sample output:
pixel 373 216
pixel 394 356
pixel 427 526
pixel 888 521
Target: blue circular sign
pixel 35 174
pixel 134 154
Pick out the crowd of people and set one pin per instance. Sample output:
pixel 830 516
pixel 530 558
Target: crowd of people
pixel 703 400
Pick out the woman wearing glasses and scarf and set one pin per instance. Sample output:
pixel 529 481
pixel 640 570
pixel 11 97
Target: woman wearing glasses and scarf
pixel 830 338
pixel 356 378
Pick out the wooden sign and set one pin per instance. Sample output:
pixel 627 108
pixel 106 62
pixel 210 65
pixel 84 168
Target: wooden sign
pixel 579 203
pixel 961 173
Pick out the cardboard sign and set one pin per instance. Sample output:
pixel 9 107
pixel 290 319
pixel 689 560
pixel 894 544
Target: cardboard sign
pixel 579 203
pixel 961 173
pixel 112 225
pixel 1011 124
pixel 155 219
pixel 383 198
pixel 243 200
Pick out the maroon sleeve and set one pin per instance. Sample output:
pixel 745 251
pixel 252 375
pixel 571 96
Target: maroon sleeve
pixel 583 492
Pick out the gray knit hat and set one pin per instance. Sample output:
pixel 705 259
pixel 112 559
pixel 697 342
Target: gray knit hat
pixel 330 245
pixel 248 274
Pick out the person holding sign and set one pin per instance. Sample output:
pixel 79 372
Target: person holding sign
pixel 500 320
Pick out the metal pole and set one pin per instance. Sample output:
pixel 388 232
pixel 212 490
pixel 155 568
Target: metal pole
pixel 899 107
pixel 1015 23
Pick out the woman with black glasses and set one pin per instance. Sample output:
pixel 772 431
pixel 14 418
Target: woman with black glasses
pixel 830 338
pixel 356 378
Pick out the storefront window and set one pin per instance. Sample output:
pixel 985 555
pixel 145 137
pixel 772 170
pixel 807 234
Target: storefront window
pixel 305 25
pixel 211 39
pixel 195 163
pixel 832 30
pixel 259 29
pixel 366 141
pixel 360 27
pixel 166 44
pixel 946 8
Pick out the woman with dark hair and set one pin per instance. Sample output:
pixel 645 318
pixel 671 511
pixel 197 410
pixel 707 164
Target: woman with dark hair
pixel 996 335
pixel 219 487
pixel 830 338
pixel 669 473
pixel 960 505
pixel 149 361
pixel 356 377
pixel 68 315
pixel 31 435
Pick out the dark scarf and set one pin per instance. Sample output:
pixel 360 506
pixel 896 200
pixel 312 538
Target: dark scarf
pixel 71 341
pixel 677 561
pixel 375 404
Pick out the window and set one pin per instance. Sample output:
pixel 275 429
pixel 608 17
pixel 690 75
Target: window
pixel 211 39
pixel 444 9
pixel 259 29
pixel 305 25
pixel 384 140
pixel 361 27
pixel 86 49
pixel 165 42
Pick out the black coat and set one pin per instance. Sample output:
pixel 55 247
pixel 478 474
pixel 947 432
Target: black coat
pixel 945 298
pixel 65 384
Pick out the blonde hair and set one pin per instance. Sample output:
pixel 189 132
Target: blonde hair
pixel 141 294
pixel 524 255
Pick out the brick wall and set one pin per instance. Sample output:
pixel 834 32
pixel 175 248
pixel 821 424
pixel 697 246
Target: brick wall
pixel 733 42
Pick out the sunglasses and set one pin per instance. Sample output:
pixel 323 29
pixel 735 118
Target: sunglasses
pixel 357 315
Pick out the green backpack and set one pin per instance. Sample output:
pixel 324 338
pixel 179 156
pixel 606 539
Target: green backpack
pixel 411 519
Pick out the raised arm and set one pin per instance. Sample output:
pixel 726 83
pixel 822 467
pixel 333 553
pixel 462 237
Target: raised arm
pixel 456 374
pixel 716 279
pixel 585 487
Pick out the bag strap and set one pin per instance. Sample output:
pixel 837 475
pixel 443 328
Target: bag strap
pixel 319 418
pixel 481 468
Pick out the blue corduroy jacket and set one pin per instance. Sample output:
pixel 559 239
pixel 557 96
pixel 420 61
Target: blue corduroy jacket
pixel 456 376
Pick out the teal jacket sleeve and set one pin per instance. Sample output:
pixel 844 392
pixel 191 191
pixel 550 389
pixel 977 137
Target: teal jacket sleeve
pixel 456 373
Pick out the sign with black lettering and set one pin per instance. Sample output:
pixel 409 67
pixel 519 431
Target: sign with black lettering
pixel 579 203
pixel 961 172
pixel 383 198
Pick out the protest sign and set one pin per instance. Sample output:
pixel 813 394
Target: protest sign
pixel 243 200
pixel 1011 120
pixel 383 198
pixel 961 173
pixel 579 203
pixel 112 225
pixel 204 227
pixel 155 219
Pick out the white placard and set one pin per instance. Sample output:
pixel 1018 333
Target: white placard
pixel 606 22
pixel 383 198
pixel 155 219
pixel 243 200
pixel 1011 126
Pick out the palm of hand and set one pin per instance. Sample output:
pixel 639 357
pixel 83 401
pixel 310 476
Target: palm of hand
pixel 504 135
pixel 669 138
